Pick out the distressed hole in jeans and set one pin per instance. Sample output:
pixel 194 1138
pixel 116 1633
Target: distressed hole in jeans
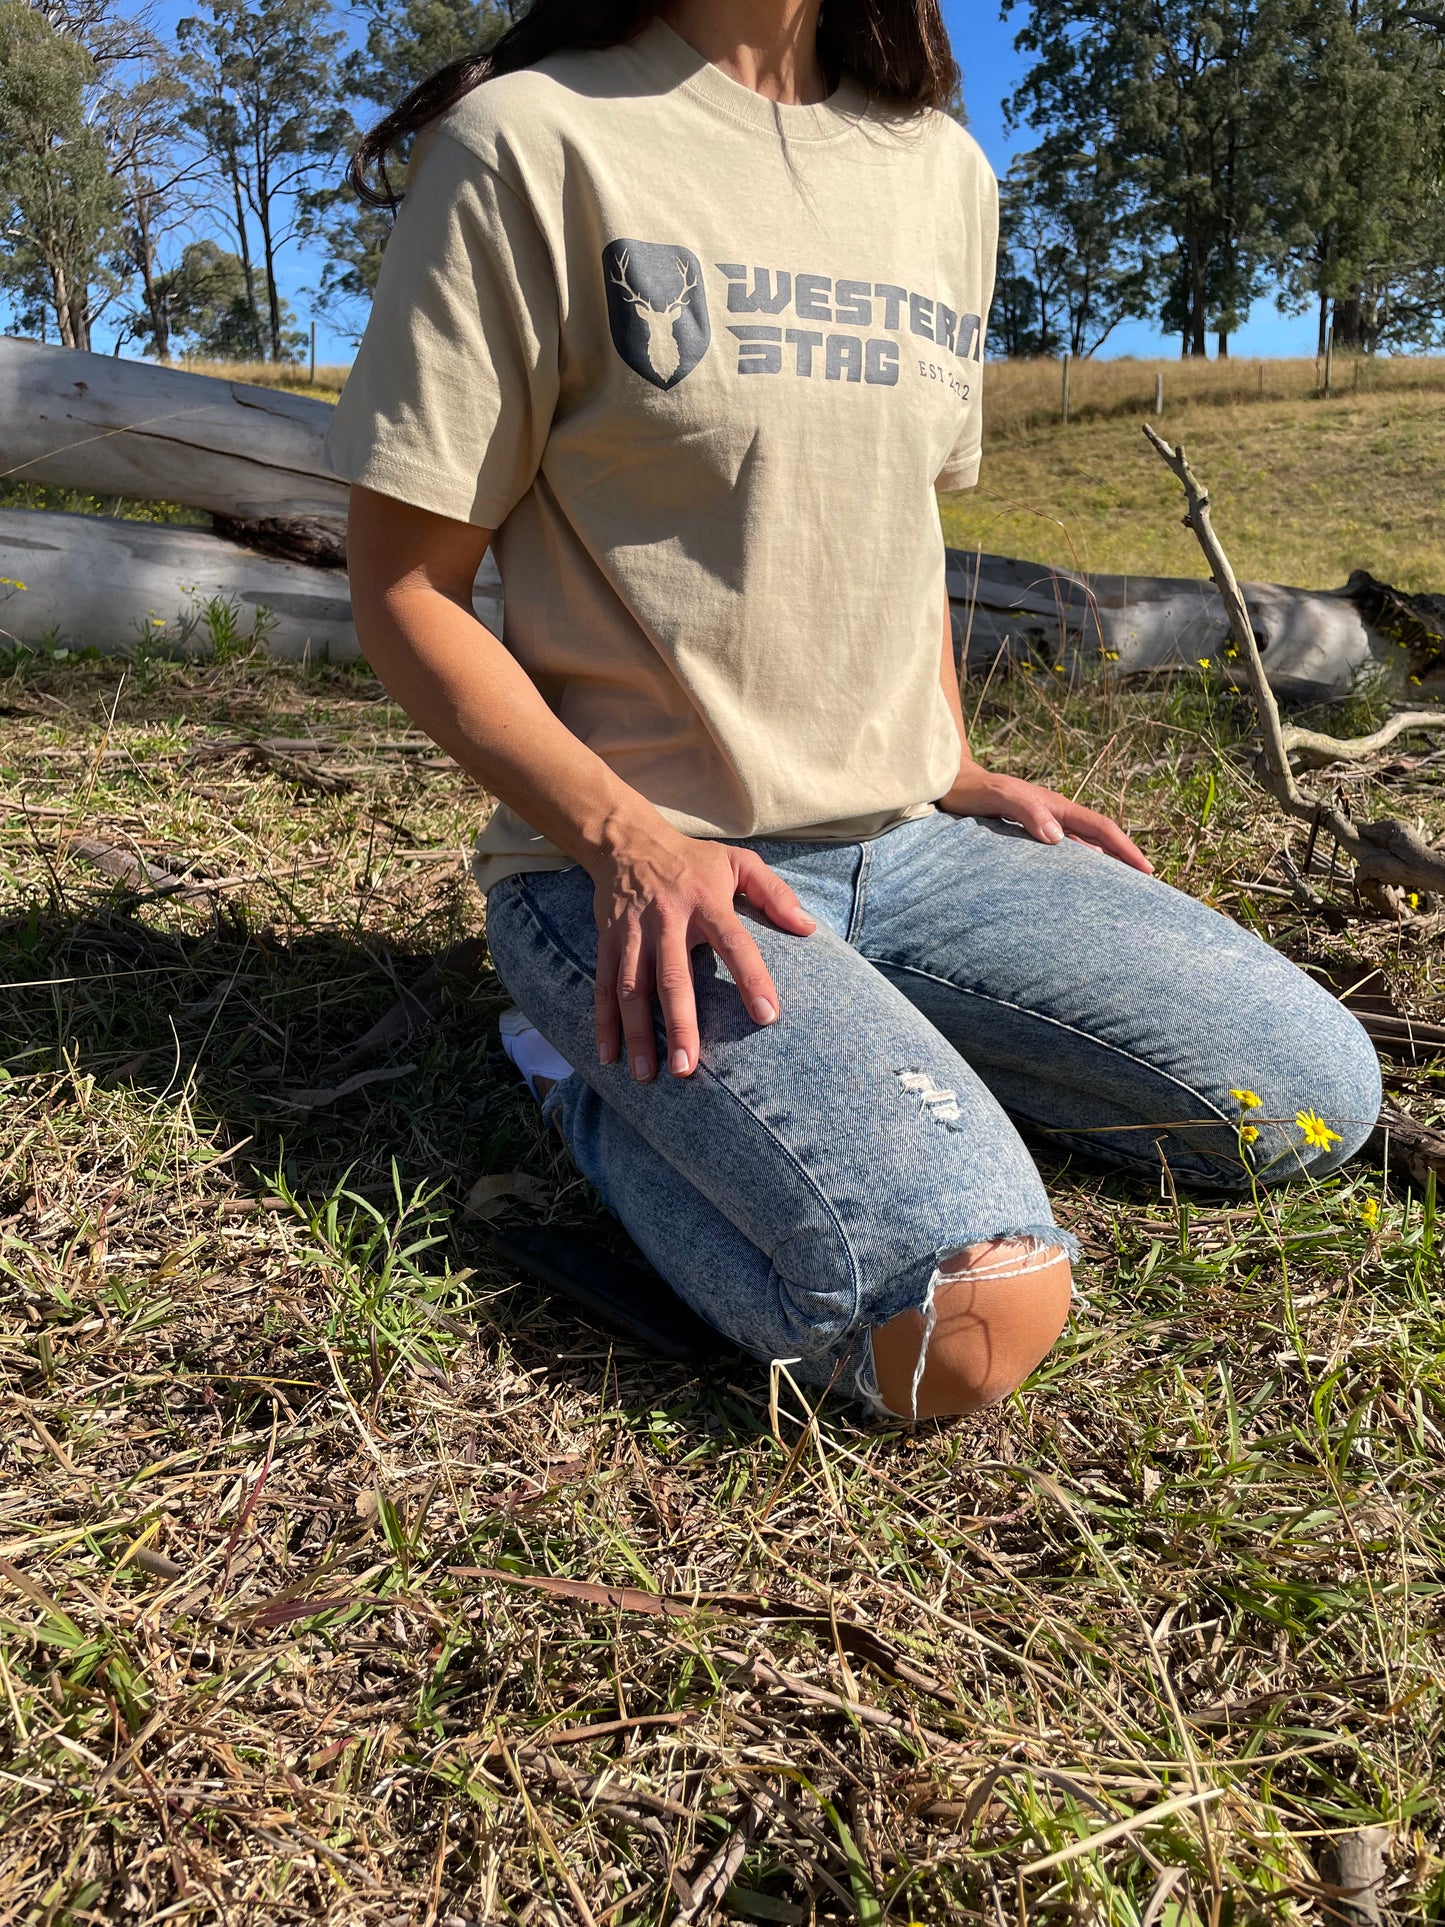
pixel 933 1099
pixel 990 1260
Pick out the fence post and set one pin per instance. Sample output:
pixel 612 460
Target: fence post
pixel 1329 357
pixel 1159 392
pixel 313 354
pixel 1067 359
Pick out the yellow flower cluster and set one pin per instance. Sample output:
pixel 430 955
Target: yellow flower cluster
pixel 9 582
pixel 1246 1100
pixel 1370 1213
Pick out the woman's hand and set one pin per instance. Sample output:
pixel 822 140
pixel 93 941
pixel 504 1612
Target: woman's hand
pixel 1043 813
pixel 659 893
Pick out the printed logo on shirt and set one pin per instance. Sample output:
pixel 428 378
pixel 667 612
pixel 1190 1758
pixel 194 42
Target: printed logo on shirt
pixel 657 309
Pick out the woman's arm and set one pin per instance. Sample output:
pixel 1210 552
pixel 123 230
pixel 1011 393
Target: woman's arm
pixel 657 892
pixel 1043 813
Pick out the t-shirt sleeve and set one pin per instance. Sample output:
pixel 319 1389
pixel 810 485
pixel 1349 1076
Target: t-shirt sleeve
pixel 981 230
pixel 451 398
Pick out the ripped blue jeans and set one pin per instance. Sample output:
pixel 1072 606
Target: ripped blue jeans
pixel 806 1183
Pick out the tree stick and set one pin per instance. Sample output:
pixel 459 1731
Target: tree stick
pixel 1388 851
pixel 1316 747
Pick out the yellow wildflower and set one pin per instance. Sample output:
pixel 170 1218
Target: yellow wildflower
pixel 1370 1213
pixel 1027 668
pixel 1413 899
pixel 1203 662
pixel 1246 1100
pixel 1109 655
pixel 1316 1131
pixel 1248 1133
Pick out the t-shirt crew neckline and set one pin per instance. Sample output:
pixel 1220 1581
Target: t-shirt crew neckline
pixel 827 120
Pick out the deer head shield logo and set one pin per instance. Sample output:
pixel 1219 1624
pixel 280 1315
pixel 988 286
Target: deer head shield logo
pixel 657 308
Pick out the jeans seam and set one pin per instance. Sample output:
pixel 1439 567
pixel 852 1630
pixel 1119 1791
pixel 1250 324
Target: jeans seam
pixel 1074 1030
pixel 548 930
pixel 860 896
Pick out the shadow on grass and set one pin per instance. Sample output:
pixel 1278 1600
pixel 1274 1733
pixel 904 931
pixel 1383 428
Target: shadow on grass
pixel 245 1033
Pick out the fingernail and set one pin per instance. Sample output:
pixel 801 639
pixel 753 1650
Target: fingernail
pixel 764 1012
pixel 607 1054
pixel 641 1069
pixel 1052 833
pixel 680 1066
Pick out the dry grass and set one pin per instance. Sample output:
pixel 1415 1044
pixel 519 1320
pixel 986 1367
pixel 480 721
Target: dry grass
pixel 1026 395
pixel 293 1467
pixel 1304 492
pixel 293 376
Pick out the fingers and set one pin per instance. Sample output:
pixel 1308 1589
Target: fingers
pixel 1088 826
pixel 1034 814
pixel 730 939
pixel 633 991
pixel 766 891
pixel 604 998
pixel 679 1004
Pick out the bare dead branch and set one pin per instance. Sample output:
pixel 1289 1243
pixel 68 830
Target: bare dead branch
pixel 1314 748
pixel 1387 851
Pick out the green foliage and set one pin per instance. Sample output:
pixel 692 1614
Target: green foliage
pixel 1070 267
pixel 207 312
pixel 405 43
pixel 1238 140
pixel 263 101
pixel 59 208
pixel 1361 220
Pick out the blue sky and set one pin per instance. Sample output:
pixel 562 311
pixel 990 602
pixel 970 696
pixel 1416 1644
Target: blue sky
pixel 983 43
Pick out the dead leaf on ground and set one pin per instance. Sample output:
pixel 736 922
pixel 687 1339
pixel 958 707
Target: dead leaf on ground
pixel 488 1197
pixel 333 1094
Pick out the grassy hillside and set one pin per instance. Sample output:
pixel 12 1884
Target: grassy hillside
pixel 1304 490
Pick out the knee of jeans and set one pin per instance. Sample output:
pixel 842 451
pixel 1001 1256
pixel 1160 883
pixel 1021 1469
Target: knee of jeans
pixel 1329 1103
pixel 992 1312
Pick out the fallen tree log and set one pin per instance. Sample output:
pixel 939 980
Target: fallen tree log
pixel 1316 645
pixel 83 581
pixel 251 456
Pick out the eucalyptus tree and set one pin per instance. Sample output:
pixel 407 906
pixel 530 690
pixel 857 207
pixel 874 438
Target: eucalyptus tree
pixel 1070 230
pixel 1169 95
pixel 60 211
pixel 1359 188
pixel 404 42
pixel 263 103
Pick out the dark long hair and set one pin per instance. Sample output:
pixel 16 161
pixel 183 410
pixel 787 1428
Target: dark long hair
pixel 897 49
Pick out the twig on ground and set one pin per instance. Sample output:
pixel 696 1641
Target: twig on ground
pixel 1389 850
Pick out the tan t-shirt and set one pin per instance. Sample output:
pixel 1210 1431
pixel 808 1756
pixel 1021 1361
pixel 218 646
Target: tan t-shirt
pixel 701 361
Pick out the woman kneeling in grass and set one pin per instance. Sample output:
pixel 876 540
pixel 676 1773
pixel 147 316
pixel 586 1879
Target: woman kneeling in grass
pixel 685 310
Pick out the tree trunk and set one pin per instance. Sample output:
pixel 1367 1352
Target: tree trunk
pixel 1223 351
pixel 243 243
pixel 273 298
pixel 98 582
pixel 1324 335
pixel 1315 645
pixel 154 305
pixel 252 456
pixel 1348 328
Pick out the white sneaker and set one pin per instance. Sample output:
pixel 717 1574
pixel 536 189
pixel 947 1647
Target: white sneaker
pixel 529 1050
